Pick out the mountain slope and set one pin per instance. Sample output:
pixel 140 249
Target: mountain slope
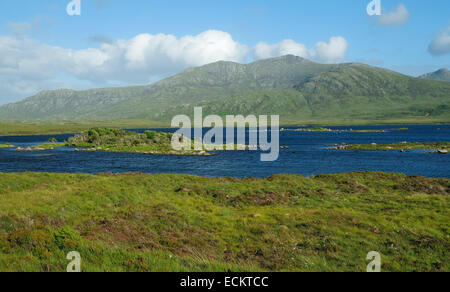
pixel 297 89
pixel 440 75
pixel 346 92
pixel 210 82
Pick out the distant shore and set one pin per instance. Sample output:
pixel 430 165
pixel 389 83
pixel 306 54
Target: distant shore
pixel 24 128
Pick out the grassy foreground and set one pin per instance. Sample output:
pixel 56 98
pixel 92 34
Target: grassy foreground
pixel 136 222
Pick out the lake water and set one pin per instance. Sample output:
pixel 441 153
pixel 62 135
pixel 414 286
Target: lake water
pixel 307 155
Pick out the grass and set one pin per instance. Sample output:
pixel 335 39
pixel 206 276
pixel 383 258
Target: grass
pixel 137 222
pixel 19 128
pixel 398 146
pixel 6 145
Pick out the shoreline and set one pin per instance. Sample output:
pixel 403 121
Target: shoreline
pixel 36 129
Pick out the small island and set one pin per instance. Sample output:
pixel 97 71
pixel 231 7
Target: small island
pixel 149 142
pixel 440 147
pixel 369 131
pixel 6 145
pixel 314 129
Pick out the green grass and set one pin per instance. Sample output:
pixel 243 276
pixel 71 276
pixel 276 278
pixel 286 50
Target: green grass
pixel 136 222
pixel 6 145
pixel 22 127
pixel 399 146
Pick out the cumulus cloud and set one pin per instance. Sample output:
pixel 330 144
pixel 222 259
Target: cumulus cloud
pixel 28 65
pixel 398 16
pixel 333 51
pixel 440 45
pixel 286 47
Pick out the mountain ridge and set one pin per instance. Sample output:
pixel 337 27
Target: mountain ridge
pixel 293 87
pixel 439 75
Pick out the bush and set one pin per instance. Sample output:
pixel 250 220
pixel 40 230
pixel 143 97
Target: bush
pixel 150 135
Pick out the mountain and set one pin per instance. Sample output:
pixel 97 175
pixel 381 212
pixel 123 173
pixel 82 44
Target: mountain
pixel 295 88
pixel 440 75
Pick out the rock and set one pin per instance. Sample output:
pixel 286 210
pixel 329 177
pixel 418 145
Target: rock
pixel 256 216
pixel 443 151
pixel 374 144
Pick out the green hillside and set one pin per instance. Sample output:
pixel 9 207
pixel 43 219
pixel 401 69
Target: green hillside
pixel 347 92
pixel 298 90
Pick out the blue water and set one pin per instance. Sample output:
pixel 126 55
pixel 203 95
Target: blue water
pixel 307 155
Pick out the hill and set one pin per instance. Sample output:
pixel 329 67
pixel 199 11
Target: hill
pixel 440 75
pixel 295 88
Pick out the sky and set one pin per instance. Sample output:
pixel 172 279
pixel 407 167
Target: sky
pixel 118 42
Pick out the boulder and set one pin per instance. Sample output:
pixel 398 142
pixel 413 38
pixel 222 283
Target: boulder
pixel 443 151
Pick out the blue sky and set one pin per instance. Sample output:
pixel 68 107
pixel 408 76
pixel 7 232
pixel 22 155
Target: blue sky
pixel 113 41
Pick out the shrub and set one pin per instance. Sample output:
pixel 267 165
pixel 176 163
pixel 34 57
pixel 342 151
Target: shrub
pixel 150 135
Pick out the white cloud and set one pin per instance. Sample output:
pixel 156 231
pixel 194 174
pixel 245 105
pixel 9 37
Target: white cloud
pixel 286 47
pixel 440 45
pixel 333 51
pixel 398 16
pixel 28 65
